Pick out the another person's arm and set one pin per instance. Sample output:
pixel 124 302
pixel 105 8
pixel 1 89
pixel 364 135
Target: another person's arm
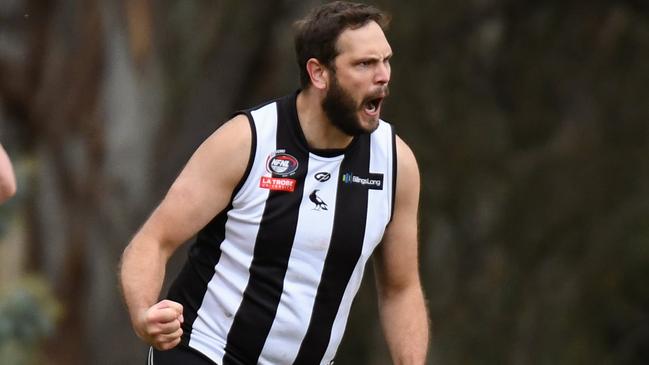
pixel 7 177
pixel 199 193
pixel 402 307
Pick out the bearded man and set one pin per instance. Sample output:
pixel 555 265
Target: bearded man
pixel 289 201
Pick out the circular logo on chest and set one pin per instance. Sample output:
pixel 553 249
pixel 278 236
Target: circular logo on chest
pixel 282 164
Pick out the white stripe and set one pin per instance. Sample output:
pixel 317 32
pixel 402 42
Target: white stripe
pixel 379 203
pixel 340 322
pixel 150 362
pixel 310 247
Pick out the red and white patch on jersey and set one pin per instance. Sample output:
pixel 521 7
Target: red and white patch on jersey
pixel 277 183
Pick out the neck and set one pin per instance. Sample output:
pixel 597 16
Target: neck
pixel 316 126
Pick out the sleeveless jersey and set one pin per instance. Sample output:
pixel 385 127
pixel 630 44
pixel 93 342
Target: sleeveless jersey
pixel 271 279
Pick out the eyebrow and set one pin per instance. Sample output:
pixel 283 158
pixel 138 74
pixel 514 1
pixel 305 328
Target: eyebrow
pixel 374 58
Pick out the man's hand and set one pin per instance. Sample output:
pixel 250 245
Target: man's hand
pixel 160 325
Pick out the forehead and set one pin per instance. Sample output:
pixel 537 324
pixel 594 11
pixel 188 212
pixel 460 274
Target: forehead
pixel 366 40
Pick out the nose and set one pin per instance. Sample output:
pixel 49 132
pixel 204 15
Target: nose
pixel 382 73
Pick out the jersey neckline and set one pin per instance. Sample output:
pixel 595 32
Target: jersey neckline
pixel 295 123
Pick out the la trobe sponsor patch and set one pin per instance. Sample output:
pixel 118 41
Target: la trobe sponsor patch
pixel 277 183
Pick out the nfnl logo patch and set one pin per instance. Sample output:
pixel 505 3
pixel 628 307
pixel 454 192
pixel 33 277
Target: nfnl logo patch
pixel 281 163
pixel 277 183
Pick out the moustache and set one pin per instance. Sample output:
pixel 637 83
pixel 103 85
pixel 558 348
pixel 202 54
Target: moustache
pixel 380 93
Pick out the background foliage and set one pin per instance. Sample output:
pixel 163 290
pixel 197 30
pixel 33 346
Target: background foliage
pixel 529 120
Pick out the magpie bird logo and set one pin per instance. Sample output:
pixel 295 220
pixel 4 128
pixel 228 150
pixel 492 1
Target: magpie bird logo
pixel 319 203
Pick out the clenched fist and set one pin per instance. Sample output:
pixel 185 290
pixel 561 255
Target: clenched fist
pixel 160 325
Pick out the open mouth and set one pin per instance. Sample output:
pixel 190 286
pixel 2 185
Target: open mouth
pixel 372 106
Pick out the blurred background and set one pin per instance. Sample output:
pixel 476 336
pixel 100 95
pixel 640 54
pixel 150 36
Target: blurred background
pixel 530 121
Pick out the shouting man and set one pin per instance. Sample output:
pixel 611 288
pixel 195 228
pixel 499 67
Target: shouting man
pixel 270 278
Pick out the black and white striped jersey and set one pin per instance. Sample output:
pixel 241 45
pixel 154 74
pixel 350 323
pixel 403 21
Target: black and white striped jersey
pixel 271 279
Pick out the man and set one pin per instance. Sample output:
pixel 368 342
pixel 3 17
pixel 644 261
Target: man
pixel 289 200
pixel 7 177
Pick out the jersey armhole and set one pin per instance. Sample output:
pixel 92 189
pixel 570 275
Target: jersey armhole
pixel 253 150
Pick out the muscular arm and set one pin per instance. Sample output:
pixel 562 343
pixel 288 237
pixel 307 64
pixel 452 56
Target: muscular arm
pixel 7 178
pixel 199 193
pixel 402 307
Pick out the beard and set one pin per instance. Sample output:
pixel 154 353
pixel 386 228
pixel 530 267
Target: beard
pixel 342 110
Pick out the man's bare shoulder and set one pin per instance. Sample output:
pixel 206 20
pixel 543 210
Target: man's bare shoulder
pixel 407 162
pixel 233 139
pixel 221 160
pixel 233 132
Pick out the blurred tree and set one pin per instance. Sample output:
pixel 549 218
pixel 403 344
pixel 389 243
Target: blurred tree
pixel 527 119
pixel 27 316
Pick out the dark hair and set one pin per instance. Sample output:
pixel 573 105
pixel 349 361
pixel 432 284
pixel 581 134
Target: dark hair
pixel 317 33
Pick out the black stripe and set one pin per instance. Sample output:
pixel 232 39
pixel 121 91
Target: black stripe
pixel 251 159
pixel 273 245
pixel 180 354
pixel 344 252
pixel 190 285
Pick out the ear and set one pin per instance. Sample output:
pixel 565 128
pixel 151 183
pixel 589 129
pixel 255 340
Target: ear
pixel 318 73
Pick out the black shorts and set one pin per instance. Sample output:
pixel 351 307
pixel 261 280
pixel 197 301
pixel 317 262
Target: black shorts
pixel 179 355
